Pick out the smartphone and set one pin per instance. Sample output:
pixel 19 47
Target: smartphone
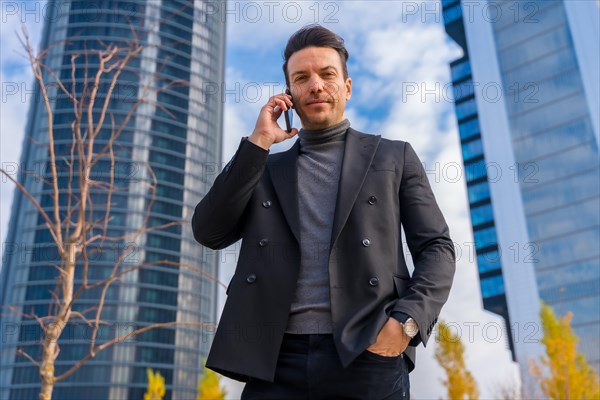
pixel 289 116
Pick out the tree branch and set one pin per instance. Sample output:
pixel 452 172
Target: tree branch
pixel 122 338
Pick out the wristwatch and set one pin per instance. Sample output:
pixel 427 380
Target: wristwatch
pixel 410 328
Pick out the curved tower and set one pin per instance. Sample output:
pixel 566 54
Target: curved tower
pixel 177 131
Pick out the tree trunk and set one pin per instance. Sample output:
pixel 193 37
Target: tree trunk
pixel 50 351
pixel 50 348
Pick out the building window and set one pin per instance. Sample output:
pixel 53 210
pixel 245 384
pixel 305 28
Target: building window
pixel 463 90
pixel 492 286
pixel 485 237
pixel 482 214
pixel 163 242
pixel 452 13
pixel 155 355
pixel 466 108
pixel 159 277
pixel 479 192
pixel 475 170
pixel 461 70
pixel 488 261
pixel 472 149
pixel 164 297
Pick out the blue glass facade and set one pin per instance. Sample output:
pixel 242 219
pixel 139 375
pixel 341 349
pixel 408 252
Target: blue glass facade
pixel 476 172
pixel 177 133
pixel 554 141
pixel 555 153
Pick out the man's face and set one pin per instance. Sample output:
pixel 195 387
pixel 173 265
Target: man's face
pixel 318 87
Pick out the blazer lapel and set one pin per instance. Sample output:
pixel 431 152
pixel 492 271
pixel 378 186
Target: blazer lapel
pixel 358 154
pixel 283 172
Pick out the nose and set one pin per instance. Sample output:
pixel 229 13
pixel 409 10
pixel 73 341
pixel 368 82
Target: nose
pixel 316 84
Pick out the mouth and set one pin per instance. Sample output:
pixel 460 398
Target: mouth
pixel 317 101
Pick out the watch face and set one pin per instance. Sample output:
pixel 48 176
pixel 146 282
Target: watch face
pixel 411 328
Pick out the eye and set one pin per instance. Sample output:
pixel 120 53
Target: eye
pixel 299 78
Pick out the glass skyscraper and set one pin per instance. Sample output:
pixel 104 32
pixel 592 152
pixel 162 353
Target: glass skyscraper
pixel 177 131
pixel 526 94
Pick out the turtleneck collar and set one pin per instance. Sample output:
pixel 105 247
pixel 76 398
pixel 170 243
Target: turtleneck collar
pixel 331 134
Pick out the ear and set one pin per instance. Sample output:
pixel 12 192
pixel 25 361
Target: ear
pixel 348 84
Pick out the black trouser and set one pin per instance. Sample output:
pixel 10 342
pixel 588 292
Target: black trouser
pixel 308 367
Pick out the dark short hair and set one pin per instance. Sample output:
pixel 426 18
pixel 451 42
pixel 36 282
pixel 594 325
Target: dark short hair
pixel 315 35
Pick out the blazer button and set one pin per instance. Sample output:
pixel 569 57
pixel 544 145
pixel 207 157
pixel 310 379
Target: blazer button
pixel 366 242
pixel 374 281
pixel 372 200
pixel 263 242
pixel 251 278
pixel 266 203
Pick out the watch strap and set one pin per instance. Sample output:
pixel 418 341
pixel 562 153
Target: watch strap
pixel 399 316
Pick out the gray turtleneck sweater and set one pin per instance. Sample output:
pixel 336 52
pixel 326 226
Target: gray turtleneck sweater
pixel 319 167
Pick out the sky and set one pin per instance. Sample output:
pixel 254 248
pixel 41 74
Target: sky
pixel 399 56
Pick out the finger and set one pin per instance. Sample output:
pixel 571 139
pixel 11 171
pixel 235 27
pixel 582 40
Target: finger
pixel 293 133
pixel 272 103
pixel 276 113
pixel 288 100
pixel 281 103
pixel 282 100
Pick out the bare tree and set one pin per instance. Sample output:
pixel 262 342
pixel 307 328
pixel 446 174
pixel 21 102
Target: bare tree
pixel 75 229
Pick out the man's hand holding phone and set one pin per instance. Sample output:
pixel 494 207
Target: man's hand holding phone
pixel 267 131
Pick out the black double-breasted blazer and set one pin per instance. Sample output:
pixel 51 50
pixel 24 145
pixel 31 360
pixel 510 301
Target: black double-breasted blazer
pixel 382 188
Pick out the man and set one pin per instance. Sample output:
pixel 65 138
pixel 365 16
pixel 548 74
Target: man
pixel 321 304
